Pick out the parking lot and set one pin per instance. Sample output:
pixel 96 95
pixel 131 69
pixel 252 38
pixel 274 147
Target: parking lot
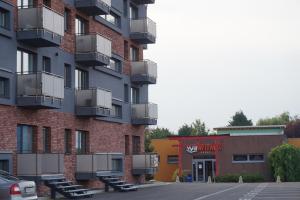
pixel 202 191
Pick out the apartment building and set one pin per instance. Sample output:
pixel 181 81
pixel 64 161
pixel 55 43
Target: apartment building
pixel 74 89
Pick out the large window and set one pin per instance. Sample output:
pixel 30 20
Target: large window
pixel 248 158
pixel 134 54
pixel 46 64
pixel 4 87
pixel 67 20
pixel 80 26
pixel 4 18
pixel 172 159
pixel 46 140
pixel 116 111
pixel 126 93
pixel 25 139
pixel 112 18
pixel 133 12
pixel 68 76
pixel 136 144
pixel 81 79
pixel 81 142
pixel 68 141
pixel 135 96
pixel 117 165
pixel 115 65
pixel 127 150
pixel 25 62
pixel 25 3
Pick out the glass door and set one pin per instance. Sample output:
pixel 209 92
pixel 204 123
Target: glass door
pixel 198 170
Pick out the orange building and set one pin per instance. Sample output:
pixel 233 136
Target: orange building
pixel 294 141
pixel 168 158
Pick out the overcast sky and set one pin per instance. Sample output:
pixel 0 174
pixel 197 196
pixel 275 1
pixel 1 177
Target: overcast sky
pixel 216 57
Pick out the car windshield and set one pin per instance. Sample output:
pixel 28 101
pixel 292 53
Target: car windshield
pixel 7 176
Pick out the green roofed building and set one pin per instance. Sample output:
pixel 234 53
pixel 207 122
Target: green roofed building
pixel 250 130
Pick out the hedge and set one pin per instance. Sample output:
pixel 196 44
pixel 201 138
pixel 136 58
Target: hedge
pixel 234 178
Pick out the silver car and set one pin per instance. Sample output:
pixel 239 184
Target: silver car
pixel 12 188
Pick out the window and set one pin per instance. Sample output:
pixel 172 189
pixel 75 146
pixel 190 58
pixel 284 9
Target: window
pixel 25 62
pixel 117 165
pixel 127 151
pixel 4 19
pixel 125 8
pixel 68 76
pixel 68 141
pixel 46 64
pixel 81 142
pixel 67 20
pixel 25 3
pixel 173 159
pixel 4 87
pixel 46 140
pixel 115 65
pixel 126 53
pixel 248 158
pixel 25 139
pixel 126 93
pixel 136 144
pixel 133 12
pixel 81 79
pixel 112 18
pixel 4 165
pixel 79 26
pixel 116 111
pixel 47 3
pixel 256 157
pixel 134 54
pixel 135 95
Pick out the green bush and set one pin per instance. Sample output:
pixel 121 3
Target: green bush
pixel 284 161
pixel 234 178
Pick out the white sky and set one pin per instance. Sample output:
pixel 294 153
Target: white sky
pixel 216 57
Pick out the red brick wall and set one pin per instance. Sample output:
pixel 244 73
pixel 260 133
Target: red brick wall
pixel 103 136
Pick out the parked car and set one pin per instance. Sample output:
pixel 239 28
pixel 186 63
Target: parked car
pixel 13 188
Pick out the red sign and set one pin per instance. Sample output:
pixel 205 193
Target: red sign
pixel 204 148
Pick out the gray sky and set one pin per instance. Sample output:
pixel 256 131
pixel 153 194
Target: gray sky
pixel 216 57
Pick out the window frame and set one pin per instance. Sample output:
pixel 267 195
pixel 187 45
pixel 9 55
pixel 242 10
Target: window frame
pixel 136 145
pixel 68 141
pixel 6 88
pixel 67 76
pixel 46 64
pixel 82 142
pixel 248 158
pixel 20 138
pixel 81 79
pixel 46 131
pixel 172 159
pixel 80 26
pixel 31 59
pixel 5 19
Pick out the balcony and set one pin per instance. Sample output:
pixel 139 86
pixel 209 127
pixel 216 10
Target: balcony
pixel 40 90
pixel 89 166
pixel 143 31
pixel 144 114
pixel 94 7
pixel 140 2
pixel 144 164
pixel 144 72
pixel 40 27
pixel 39 165
pixel 93 102
pixel 93 50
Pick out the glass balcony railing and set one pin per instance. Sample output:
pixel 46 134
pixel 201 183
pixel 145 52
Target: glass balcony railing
pixel 144 71
pixel 143 30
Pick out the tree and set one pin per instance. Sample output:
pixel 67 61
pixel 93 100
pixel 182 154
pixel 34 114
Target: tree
pixel 199 128
pixel 282 119
pixel 292 129
pixel 284 161
pixel 185 130
pixel 240 119
pixel 157 133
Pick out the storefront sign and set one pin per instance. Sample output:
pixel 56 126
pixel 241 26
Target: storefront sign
pixel 204 148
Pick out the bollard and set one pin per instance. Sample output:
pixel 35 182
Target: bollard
pixel 177 179
pixel 241 180
pixel 278 180
pixel 209 180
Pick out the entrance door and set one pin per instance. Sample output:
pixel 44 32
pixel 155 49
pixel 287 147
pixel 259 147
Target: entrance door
pixel 202 169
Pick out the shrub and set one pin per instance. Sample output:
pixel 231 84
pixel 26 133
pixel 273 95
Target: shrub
pixel 284 161
pixel 234 178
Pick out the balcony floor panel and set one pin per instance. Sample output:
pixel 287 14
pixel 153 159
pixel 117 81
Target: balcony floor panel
pixel 39 38
pixel 144 121
pixel 39 102
pixel 92 59
pixel 93 10
pixel 143 38
pixel 139 2
pixel 92 112
pixel 143 79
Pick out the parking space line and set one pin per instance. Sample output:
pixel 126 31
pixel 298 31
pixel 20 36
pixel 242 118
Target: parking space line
pixel 219 192
pixel 252 194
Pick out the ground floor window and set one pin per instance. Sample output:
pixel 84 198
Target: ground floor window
pixel 4 165
pixel 172 159
pixel 46 140
pixel 68 141
pixel 136 144
pixel 248 158
pixel 117 165
pixel 25 138
pixel 81 142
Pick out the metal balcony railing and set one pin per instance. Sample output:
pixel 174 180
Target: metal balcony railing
pixel 94 97
pixel 40 84
pixel 144 111
pixel 40 164
pixel 144 26
pixel 144 68
pixel 93 43
pixel 41 18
